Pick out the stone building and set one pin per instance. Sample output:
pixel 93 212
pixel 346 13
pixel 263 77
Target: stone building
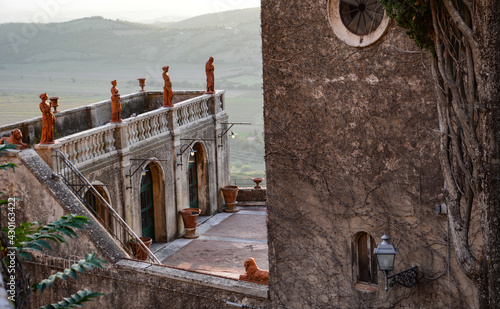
pixel 351 154
pixel 350 121
pixel 146 168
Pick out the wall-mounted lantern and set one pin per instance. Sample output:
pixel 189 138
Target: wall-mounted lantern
pixel 386 254
pixel 189 147
pixel 139 169
pixel 233 135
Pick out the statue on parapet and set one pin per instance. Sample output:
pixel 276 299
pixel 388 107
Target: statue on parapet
pixel 116 105
pixel 168 93
pixel 253 273
pixel 209 70
pixel 16 138
pixel 48 121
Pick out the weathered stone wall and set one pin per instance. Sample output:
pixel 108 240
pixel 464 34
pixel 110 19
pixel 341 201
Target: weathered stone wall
pixel 350 147
pixel 151 286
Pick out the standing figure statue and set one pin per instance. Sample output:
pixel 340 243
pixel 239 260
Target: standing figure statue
pixel 209 69
pixel 168 94
pixel 48 121
pixel 116 105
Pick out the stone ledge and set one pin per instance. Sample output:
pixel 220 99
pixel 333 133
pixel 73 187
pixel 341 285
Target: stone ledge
pixel 251 194
pixel 365 287
pixel 242 287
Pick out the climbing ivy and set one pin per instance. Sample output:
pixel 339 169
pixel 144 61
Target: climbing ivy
pixel 414 16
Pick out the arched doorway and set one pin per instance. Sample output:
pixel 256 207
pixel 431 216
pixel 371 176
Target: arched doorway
pixel 193 181
pixel 147 204
pixel 98 207
pixel 364 259
pixel 198 179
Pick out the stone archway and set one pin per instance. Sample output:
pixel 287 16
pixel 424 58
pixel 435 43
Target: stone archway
pixel 202 183
pixel 152 202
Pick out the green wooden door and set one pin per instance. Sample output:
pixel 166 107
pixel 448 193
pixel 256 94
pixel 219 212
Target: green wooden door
pixel 147 207
pixel 193 182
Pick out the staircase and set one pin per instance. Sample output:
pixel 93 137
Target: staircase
pixel 113 223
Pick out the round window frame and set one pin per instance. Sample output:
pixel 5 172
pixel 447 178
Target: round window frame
pixel 348 37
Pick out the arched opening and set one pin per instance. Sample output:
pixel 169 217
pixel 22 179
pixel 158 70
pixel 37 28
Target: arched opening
pixel 153 217
pixel 147 204
pixel 198 179
pixel 193 180
pixel 97 206
pixel 364 261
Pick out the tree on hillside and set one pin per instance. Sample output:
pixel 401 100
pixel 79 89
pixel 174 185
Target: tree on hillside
pixel 463 38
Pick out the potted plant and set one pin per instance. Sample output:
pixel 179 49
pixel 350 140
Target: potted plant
pixel 139 252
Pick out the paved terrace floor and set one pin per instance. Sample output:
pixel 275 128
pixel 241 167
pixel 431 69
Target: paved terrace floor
pixel 226 240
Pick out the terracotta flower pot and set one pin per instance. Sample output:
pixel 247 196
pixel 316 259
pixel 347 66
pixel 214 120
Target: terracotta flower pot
pixel 142 83
pixel 189 218
pixel 257 181
pixel 138 250
pixel 230 193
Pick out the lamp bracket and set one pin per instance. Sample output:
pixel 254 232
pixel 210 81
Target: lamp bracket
pixel 185 147
pixel 229 128
pixel 407 278
pixel 130 174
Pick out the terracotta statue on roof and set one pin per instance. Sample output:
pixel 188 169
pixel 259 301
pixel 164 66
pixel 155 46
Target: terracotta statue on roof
pixel 209 69
pixel 48 121
pixel 168 94
pixel 253 273
pixel 16 138
pixel 116 105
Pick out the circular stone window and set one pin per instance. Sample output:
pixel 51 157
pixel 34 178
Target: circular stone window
pixel 358 23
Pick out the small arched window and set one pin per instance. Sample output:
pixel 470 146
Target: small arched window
pixel 365 260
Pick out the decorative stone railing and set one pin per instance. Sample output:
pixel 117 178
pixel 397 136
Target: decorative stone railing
pixel 87 145
pixel 191 110
pixel 146 125
pixel 93 143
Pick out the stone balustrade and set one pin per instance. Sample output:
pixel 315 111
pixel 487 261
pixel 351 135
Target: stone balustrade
pixel 87 145
pixel 191 110
pixel 108 138
pixel 146 125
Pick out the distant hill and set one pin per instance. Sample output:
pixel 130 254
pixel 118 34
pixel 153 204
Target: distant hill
pixel 223 19
pixel 233 35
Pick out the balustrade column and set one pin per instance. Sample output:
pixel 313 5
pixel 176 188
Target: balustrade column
pixel 121 136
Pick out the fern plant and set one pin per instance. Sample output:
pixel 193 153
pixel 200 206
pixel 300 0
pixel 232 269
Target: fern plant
pixel 75 300
pixel 32 236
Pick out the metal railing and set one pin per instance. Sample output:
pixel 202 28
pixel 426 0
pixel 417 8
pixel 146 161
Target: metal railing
pixel 115 225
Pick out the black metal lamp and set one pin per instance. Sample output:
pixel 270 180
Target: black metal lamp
pixel 233 135
pixel 386 254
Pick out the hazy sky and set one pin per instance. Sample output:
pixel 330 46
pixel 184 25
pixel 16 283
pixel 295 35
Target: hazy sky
pixel 142 10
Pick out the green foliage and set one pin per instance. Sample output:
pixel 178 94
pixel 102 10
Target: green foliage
pixel 75 300
pixel 3 151
pixel 32 236
pixel 90 261
pixel 414 16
